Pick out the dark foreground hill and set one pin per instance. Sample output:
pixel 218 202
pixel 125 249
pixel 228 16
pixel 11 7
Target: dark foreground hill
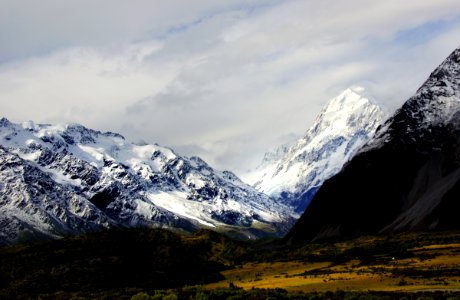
pixel 407 178
pixel 114 261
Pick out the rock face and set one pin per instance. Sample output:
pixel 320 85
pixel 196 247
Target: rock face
pixel 57 180
pixel 294 175
pixel 406 178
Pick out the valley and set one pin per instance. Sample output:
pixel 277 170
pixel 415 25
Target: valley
pixel 132 141
pixel 157 264
pixel 356 209
pixel 365 264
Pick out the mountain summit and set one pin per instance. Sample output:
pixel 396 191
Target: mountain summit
pixel 343 126
pixel 57 180
pixel 406 178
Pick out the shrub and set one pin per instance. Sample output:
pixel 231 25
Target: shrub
pixel 141 296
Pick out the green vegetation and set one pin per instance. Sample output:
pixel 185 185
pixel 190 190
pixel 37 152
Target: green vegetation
pixel 159 264
pixel 198 293
pixel 117 261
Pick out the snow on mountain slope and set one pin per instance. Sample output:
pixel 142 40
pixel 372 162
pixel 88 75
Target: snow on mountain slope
pixel 32 203
pixel 343 126
pixel 269 160
pixel 436 103
pixel 407 178
pixel 118 183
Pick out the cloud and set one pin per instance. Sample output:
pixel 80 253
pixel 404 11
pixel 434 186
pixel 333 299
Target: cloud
pixel 226 80
pixel 79 84
pixel 28 28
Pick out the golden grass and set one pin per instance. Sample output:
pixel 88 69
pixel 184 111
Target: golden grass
pixel 430 269
pixel 437 247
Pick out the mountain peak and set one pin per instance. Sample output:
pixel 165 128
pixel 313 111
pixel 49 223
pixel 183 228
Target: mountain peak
pixel 438 100
pixel 407 178
pixel 344 125
pixel 350 96
pixel 4 122
pixel 353 98
pixel 436 103
pixel 349 111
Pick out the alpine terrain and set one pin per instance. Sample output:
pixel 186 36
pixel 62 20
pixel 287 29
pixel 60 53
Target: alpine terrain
pixel 406 178
pixel 57 180
pixel 294 175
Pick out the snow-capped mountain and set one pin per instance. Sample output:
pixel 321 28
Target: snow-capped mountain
pixel 406 178
pixel 65 179
pixel 294 174
pixel 271 157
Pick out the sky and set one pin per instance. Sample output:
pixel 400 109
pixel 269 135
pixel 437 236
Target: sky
pixel 225 80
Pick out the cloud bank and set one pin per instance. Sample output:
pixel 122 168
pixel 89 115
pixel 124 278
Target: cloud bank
pixel 225 80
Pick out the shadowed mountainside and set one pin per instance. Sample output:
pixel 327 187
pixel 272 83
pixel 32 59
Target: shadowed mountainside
pixel 407 178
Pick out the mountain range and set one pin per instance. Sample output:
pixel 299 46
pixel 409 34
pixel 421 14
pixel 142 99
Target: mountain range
pixel 351 174
pixel 406 178
pixel 57 180
pixel 294 174
pixel 67 179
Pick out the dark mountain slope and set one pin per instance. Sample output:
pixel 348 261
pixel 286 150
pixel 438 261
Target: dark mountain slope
pixel 406 178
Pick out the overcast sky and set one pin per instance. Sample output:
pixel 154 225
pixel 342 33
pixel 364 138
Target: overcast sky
pixel 226 80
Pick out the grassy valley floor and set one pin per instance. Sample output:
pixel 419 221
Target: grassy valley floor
pixel 432 268
pixel 399 263
pixel 157 264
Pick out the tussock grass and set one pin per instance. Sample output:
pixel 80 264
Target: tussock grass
pixel 405 262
